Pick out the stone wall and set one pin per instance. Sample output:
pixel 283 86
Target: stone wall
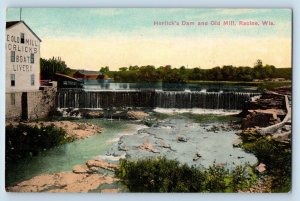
pixel 39 103
pixel 13 109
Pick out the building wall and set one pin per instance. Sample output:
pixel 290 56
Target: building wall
pixel 39 103
pixel 22 68
pixel 13 109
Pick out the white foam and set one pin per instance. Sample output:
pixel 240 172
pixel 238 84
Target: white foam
pixel 196 111
pixel 110 157
pixel 133 128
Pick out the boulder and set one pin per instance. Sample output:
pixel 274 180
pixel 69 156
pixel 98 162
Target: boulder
pixel 181 139
pixel 261 168
pixel 197 156
pixel 257 119
pixel 93 114
pixel 237 142
pixel 79 169
pixel 148 147
pixel 101 164
pixel 137 115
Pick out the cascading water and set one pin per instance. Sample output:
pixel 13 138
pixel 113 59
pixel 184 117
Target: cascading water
pixel 164 99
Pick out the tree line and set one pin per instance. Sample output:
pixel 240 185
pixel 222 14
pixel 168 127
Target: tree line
pixel 167 74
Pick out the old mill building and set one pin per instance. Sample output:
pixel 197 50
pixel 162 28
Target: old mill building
pixel 23 94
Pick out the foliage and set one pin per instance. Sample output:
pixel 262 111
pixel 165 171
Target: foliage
pixel 167 74
pixel 24 140
pixel 162 175
pixel 51 66
pixel 276 155
pixel 104 69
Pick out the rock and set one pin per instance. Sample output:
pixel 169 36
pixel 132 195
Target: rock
pixel 62 182
pixel 137 115
pixel 237 142
pixel 101 164
pixel 197 157
pixel 214 128
pixel 93 169
pixel 261 168
pixel 256 119
pixel 181 139
pixel 93 114
pixel 123 147
pixel 79 169
pixel 74 130
pixel 148 147
pixel 282 137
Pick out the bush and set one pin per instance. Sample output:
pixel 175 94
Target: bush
pixel 162 175
pixel 23 140
pixel 276 155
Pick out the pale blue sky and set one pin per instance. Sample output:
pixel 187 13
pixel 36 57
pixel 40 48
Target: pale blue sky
pixel 84 22
pixel 90 37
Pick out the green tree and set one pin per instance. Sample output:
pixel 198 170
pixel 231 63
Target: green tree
pixel 123 69
pixel 51 66
pixel 215 74
pixel 133 68
pixel 229 73
pixel 244 74
pixel 147 74
pixel 104 70
pixel 258 70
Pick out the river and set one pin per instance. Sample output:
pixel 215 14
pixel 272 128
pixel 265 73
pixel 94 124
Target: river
pixel 64 157
pixel 213 146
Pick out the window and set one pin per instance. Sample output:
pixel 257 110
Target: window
pixel 32 58
pixel 32 79
pixel 12 56
pixel 12 80
pixel 22 37
pixel 12 99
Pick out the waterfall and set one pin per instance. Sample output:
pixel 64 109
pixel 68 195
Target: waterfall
pixel 77 98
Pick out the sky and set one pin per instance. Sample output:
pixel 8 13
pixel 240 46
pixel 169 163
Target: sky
pixel 89 38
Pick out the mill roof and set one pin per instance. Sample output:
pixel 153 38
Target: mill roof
pixel 13 23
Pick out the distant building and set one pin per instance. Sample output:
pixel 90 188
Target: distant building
pixel 88 75
pixel 65 81
pixel 23 98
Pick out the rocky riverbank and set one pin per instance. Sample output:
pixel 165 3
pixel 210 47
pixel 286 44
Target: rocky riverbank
pixel 270 114
pixel 102 113
pixel 84 178
pixel 267 132
pixel 74 130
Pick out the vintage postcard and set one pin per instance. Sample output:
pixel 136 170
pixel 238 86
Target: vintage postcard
pixel 148 100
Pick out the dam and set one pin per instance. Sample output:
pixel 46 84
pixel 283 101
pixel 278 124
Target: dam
pixel 80 98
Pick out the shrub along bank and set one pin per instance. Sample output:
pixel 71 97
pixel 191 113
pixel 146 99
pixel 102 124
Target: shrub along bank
pixel 163 175
pixel 275 154
pixel 23 140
